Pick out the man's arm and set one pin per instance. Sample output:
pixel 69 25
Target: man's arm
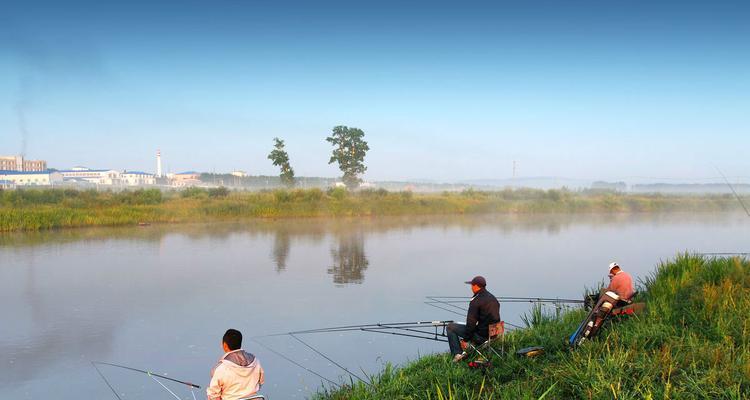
pixel 214 389
pixel 262 374
pixel 472 316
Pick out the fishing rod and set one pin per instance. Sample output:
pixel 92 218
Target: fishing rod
pixel 724 254
pixel 505 299
pixel 436 304
pixel 462 311
pixel 149 373
pixel 255 339
pixel 328 358
pixel 416 329
pixel 380 325
pixel 733 191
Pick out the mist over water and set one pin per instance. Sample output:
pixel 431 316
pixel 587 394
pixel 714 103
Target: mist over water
pixel 160 297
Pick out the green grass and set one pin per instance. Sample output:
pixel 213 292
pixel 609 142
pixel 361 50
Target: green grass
pixel 693 342
pixel 35 209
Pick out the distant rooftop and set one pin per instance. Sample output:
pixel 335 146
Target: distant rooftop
pixel 24 172
pixel 85 170
pixel 136 172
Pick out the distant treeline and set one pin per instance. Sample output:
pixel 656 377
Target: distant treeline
pixel 689 188
pixel 263 181
pixel 34 209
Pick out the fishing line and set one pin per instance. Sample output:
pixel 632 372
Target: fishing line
pixel 444 309
pixel 327 358
pixel 165 388
pixel 733 191
pixel 106 381
pixel 255 339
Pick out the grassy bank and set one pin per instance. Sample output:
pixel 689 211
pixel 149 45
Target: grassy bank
pixel 62 208
pixel 692 343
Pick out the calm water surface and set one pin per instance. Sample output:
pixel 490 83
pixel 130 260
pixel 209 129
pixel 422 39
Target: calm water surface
pixel 160 297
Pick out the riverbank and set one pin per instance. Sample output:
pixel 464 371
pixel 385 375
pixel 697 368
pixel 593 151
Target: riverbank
pixel 29 210
pixel 693 342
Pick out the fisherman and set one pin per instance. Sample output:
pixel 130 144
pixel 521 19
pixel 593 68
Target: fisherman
pixel 238 374
pixel 621 283
pixel 484 310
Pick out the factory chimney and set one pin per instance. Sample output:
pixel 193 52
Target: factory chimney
pixel 158 163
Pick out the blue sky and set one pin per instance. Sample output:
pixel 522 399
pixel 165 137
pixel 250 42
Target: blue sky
pixel 443 90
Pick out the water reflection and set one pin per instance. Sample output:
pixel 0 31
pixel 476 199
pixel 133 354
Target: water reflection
pixel 349 259
pixel 281 243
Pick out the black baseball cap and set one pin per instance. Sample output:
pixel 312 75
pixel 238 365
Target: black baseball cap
pixel 477 280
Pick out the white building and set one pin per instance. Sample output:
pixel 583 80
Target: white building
pixel 137 178
pixel 239 174
pixel 31 178
pixel 95 176
pixel 185 179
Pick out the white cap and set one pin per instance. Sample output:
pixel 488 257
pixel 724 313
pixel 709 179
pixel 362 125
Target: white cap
pixel 612 265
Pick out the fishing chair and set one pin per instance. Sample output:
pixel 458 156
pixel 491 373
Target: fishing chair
pixel 486 349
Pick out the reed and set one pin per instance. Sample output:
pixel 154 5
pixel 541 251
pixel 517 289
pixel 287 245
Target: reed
pixel 35 209
pixel 693 342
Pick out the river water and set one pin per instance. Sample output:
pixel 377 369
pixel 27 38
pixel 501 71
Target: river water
pixel 160 297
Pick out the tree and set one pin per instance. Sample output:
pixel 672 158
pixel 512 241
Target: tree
pixel 280 158
pixel 349 150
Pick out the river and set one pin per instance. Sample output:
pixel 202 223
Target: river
pixel 160 297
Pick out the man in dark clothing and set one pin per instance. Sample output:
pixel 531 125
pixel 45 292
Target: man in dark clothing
pixel 484 310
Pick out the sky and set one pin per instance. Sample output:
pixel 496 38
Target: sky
pixel 444 91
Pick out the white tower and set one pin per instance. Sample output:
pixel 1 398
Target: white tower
pixel 158 163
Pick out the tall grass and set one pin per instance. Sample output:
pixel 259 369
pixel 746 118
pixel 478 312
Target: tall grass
pixel 34 209
pixel 693 342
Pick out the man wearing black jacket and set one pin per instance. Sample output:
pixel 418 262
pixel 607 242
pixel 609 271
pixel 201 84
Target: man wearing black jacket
pixel 484 310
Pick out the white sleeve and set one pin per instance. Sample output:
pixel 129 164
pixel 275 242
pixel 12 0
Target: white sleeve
pixel 214 390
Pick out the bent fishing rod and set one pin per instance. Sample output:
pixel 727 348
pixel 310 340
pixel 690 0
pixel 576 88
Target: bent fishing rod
pixel 149 373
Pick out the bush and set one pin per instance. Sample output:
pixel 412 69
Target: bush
pixel 313 195
pixel 140 197
pixel 338 193
pixel 193 192
pixel 220 191
pixel 282 196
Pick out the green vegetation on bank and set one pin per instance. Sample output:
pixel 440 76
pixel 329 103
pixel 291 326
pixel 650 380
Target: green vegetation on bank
pixel 35 209
pixel 693 342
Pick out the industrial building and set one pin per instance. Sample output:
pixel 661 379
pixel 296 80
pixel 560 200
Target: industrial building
pixel 95 176
pixel 18 163
pixel 137 178
pixel 30 178
pixel 185 179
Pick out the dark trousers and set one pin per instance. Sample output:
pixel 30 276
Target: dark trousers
pixel 455 333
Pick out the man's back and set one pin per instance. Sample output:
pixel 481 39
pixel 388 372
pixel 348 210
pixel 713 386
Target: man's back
pixel 622 284
pixel 484 310
pixel 237 375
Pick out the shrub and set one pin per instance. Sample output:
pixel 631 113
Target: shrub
pixel 193 192
pixel 338 193
pixel 220 191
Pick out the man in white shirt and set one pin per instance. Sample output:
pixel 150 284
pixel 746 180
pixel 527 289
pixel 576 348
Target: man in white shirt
pixel 238 374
